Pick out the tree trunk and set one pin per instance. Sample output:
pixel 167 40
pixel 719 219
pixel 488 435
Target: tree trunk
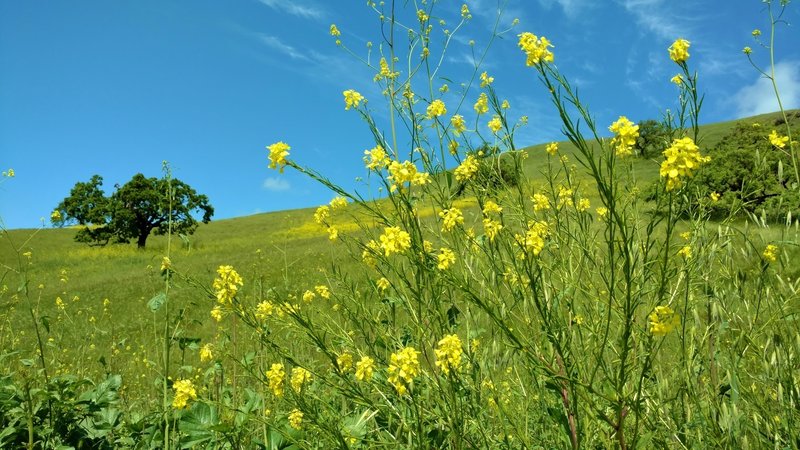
pixel 142 239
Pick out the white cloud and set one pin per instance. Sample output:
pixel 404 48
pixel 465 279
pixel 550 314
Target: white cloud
pixel 759 97
pixel 277 44
pixel 571 8
pixel 295 7
pixel 276 184
pixel 657 17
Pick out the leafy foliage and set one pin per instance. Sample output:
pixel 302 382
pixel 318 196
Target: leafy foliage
pixel 653 138
pixel 141 206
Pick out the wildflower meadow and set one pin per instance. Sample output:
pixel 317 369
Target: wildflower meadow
pixel 473 294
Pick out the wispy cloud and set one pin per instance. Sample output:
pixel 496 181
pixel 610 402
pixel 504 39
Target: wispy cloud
pixel 276 184
pixel 759 97
pixel 296 8
pixel 571 8
pixel 275 43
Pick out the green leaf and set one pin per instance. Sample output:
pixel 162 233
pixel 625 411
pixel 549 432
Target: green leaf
pixel 157 302
pixel 198 425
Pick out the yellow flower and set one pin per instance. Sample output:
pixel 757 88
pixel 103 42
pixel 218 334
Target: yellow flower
pixel 55 216
pixel 681 160
pixel 333 233
pixel 686 252
pixel 770 253
pixel 277 155
pixel 275 377
pixel 344 362
pixel 747 50
pixel 465 11
pixel 714 197
pixel 385 71
pixel 184 391
pixel 406 172
pixel 564 196
pixel 663 320
pixel 533 240
pixel 422 16
pixel 436 109
pixel 206 353
pixel 482 105
pixel 495 124
pixel 227 284
pixel 364 368
pixel 394 240
pixel 540 202
pixel 491 228
pixel 166 263
pixel 300 376
pixel 679 51
pixel 383 284
pixel 403 368
pixel 451 218
pixel 552 148
pixel 335 31
pixel 625 134
pixel 352 99
pixel 452 147
pixel 536 48
pixel 458 124
pixel 216 313
pixel 60 303
pixel 296 419
pixel 467 169
pixel 322 213
pixel 491 207
pixel 486 80
pixel 583 205
pixel 448 353
pixel 338 202
pixel 756 33
pixel 264 310
pixel 323 291
pixel 778 140
pixel 308 296
pixel 505 104
pixel 376 159
pixel 677 79
pixel 445 259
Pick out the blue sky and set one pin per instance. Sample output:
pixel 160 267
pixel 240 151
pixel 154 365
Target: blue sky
pixel 115 88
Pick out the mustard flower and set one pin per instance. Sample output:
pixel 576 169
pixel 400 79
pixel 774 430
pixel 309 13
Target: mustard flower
pixel 756 33
pixel 436 109
pixel 335 31
pixel 60 303
pixel 535 48
pixel 344 362
pixel 275 377
pixel 451 218
pixel 376 159
pixel 486 80
pixel 583 205
pixel 368 255
pixel 491 207
pixel 552 148
pixel 352 99
pixel 296 419
pixel 55 216
pixel 482 104
pixel 227 284
pixel 365 368
pixel 458 124
pixel 323 291
pixel 445 259
pixel 505 104
pixel 382 284
pixel 206 353
pixel 184 392
pixel 778 140
pixel 770 253
pixel 677 79
pixel 277 155
pixel 308 296
pixel 492 228
pixel 495 124
pixel 406 172
pixel 264 310
pixel 685 252
pixel 679 51
pixel 300 377
pixel 394 240
pixel 403 368
pixel 333 233
pixel 714 197
pixel 564 196
pixel 465 11
pixel 452 147
pixel 385 71
pixel 216 313
pixel 682 158
pixel 533 240
pixel 338 202
pixel 321 214
pixel 467 169
pixel 422 16
pixel 425 53
pixel 747 50
pixel 540 202
pixel 166 263
pixel 663 320
pixel 448 353
pixel 625 135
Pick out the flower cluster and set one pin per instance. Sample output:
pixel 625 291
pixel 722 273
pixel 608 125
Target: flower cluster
pixel 778 140
pixel 663 320
pixel 679 51
pixel 300 376
pixel 344 362
pixel 458 124
pixel 277 155
pixel 385 71
pixel 451 218
pixel 227 284
pixel 448 353
pixel 445 259
pixel 552 148
pixel 403 368
pixel 540 202
pixel 535 48
pixel 486 80
pixel 184 391
pixel 406 172
pixel 770 253
pixel 482 104
pixel 394 240
pixel 295 419
pixel 376 159
pixel 625 134
pixel 436 109
pixel 275 378
pixel 495 124
pixel 206 353
pixel 364 368
pixel 491 226
pixel 467 169
pixel 533 240
pixel 681 160
pixel 352 99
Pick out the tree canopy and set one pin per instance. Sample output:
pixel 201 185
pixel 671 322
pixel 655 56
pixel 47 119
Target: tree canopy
pixel 141 206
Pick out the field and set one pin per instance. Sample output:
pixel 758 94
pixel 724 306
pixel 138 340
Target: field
pixel 564 295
